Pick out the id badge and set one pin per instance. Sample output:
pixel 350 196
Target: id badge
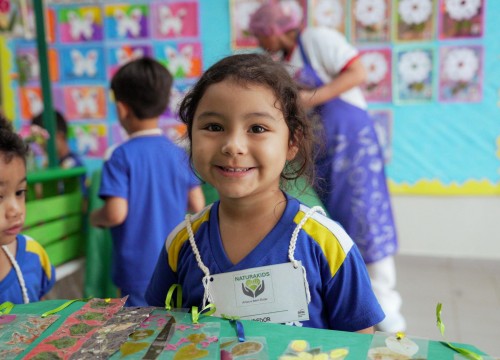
pixel 274 293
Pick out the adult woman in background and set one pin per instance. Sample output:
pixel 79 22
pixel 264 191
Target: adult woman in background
pixel 350 167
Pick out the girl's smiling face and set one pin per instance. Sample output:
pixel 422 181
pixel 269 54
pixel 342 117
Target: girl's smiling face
pixel 12 198
pixel 240 140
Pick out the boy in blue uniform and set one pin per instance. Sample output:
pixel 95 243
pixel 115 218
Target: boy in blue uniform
pixel 25 270
pixel 248 136
pixel 147 183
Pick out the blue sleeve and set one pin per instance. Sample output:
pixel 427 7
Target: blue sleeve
pixel 114 179
pixel 163 278
pixel 353 306
pixel 47 283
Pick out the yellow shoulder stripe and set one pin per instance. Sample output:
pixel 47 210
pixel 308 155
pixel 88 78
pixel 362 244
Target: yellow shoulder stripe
pixel 329 235
pixel 33 247
pixel 180 235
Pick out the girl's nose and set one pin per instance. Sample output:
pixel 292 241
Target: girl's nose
pixel 233 145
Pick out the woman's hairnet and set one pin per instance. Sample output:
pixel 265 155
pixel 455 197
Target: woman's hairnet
pixel 273 18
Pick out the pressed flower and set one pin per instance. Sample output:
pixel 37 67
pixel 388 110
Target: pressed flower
pixel 369 12
pixel 461 65
pixel 376 66
pixel 414 66
pixel 329 13
pixel 462 9
pixel 414 12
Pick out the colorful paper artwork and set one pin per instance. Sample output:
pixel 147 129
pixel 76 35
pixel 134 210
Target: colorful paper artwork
pixel 371 20
pixel 300 349
pixel 193 341
pixel 177 93
pixel 82 63
pixel 378 65
pixel 119 55
pixel 89 139
pixel 252 348
pixel 329 13
pixel 183 60
pixel 175 131
pixel 17 332
pixel 240 13
pixel 76 329
pixel 460 75
pixel 118 134
pixel 382 121
pixel 414 20
pixel 175 19
pixel 461 18
pixel 82 23
pixel 126 21
pixel 30 101
pixel 85 102
pixel 29 67
pixel 390 346
pixel 414 75
pixel 110 336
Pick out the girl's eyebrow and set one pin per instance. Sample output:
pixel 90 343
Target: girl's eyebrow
pixel 258 114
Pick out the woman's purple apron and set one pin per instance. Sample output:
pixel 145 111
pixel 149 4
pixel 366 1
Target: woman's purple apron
pixel 350 178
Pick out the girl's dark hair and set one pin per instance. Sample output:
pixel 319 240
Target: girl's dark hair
pixel 260 69
pixel 11 144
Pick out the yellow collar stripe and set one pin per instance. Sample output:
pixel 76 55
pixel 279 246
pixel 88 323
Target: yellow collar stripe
pixel 33 247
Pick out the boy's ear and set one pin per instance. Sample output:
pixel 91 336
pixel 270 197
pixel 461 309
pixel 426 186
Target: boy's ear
pixel 122 109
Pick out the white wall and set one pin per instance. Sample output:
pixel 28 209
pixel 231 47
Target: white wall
pixel 448 226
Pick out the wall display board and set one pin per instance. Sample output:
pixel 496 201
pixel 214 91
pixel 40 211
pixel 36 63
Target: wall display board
pixel 433 74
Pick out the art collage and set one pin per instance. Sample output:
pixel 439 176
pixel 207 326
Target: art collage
pixel 415 51
pixel 87 43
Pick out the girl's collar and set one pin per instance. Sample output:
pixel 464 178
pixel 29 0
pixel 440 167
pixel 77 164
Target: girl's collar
pixel 148 132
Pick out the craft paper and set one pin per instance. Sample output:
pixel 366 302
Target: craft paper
pixel 119 55
pixel 414 20
pixel 370 21
pixel 193 341
pixel 84 102
pixel 460 75
pixel 329 13
pixel 461 19
pixel 183 60
pixel 17 332
pixel 29 67
pixel 111 335
pixel 126 21
pixel 175 19
pixel 82 63
pixel 88 140
pixel 76 329
pixel 252 348
pixel 378 65
pixel 300 349
pixel 414 74
pixel 80 23
pixel 240 12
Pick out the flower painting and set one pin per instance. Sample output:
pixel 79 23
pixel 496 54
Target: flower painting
pixel 414 20
pixel 461 18
pixel 370 20
pixel 460 74
pixel 329 13
pixel 378 84
pixel 414 74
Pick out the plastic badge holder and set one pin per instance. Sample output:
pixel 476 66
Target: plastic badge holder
pixel 300 349
pixel 254 347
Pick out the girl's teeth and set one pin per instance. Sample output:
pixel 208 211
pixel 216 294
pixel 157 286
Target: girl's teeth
pixel 235 170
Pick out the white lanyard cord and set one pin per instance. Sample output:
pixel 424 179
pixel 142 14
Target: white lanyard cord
pixel 206 279
pixel 19 274
pixel 293 243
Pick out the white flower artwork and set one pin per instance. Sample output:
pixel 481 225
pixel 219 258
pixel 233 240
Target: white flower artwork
pixel 329 13
pixel 461 65
pixel 375 65
pixel 414 67
pixel 460 10
pixel 370 12
pixel 414 12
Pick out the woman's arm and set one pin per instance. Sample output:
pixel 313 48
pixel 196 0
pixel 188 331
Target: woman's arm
pixel 353 75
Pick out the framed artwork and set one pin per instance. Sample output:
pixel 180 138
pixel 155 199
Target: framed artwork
pixel 461 18
pixel 378 65
pixel 414 20
pixel 370 21
pixel 460 75
pixel 329 13
pixel 414 75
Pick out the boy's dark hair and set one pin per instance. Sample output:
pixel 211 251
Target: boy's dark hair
pixel 61 125
pixel 260 69
pixel 144 85
pixel 11 144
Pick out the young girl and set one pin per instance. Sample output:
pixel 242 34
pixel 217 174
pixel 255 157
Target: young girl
pixel 248 136
pixel 25 270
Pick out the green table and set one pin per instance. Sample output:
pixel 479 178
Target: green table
pixel 278 336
